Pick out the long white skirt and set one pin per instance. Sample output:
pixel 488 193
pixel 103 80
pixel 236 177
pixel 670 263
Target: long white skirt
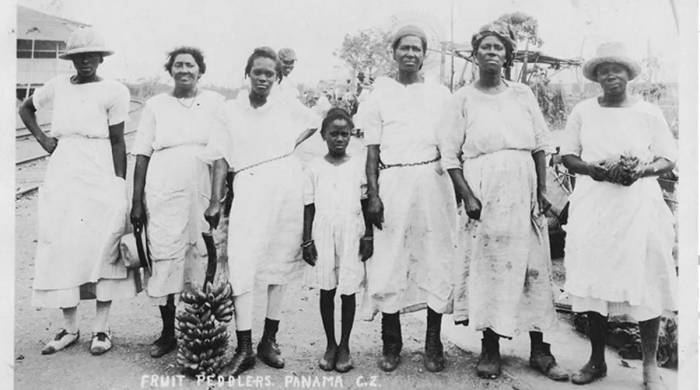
pixel 82 216
pixel 415 252
pixel 505 278
pixel 178 188
pixel 619 249
pixel 265 225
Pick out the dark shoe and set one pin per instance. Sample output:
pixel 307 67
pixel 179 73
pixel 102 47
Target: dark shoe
pixel 166 343
pixel 343 361
pixel 489 365
pixel 542 360
pixel 327 362
pixel 391 339
pixel 589 372
pixel 268 350
pixel 163 346
pixel 101 343
pixel 244 358
pixel 62 340
pixel 434 359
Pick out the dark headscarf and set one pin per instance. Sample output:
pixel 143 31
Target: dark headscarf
pixel 500 31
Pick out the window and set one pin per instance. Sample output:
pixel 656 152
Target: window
pixel 42 48
pixel 24 48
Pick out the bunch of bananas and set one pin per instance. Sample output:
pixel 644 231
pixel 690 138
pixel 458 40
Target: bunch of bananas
pixel 202 328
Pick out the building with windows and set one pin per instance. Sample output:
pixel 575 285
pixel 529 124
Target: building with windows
pixel 41 38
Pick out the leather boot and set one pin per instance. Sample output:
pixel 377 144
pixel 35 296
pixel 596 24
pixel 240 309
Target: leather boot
pixel 434 359
pixel 166 342
pixel 489 365
pixel 268 350
pixel 244 358
pixel 391 339
pixel 542 360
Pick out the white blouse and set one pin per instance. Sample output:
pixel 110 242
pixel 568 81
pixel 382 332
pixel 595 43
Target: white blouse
pixel 481 123
pixel 403 119
pixel 83 109
pixel 599 133
pixel 252 135
pixel 336 189
pixel 166 122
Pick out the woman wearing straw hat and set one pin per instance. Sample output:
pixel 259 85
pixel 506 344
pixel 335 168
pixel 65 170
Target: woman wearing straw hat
pixel 495 154
pixel 83 200
pixel 620 235
pixel 172 184
pixel 411 201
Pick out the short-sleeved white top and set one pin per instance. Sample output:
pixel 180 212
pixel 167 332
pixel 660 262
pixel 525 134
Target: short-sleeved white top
pixel 403 119
pixel 252 135
pixel 83 109
pixel 166 122
pixel 599 133
pixel 336 189
pixel 481 123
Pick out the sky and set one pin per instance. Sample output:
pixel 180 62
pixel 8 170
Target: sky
pixel 141 32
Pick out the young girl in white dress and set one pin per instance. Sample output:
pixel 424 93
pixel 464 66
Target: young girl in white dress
pixel 337 238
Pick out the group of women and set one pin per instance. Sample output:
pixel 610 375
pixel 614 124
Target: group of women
pixel 485 143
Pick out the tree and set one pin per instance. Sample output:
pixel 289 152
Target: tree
pixel 367 51
pixel 524 26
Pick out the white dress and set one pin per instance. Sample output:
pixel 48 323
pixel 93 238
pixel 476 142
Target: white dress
pixel 415 252
pixel 619 239
pixel 336 192
pixel 82 203
pixel 178 186
pixel 504 279
pixel 266 220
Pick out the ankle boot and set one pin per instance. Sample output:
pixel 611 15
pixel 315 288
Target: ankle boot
pixel 268 350
pixel 166 342
pixel 244 358
pixel 391 338
pixel 542 360
pixel 434 359
pixel 489 365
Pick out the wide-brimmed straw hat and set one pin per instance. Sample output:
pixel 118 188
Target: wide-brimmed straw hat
pixel 611 52
pixel 85 40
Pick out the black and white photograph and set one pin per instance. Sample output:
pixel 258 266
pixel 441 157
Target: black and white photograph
pixel 350 194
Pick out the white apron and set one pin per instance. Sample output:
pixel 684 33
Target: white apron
pixel 82 216
pixel 265 225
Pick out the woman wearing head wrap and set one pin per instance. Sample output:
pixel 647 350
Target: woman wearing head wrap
pixel 411 202
pixel 172 184
pixel 620 234
pixel 494 151
pixel 261 131
pixel 83 200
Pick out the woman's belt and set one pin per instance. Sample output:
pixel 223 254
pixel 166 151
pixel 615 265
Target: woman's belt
pixel 262 162
pixel 411 164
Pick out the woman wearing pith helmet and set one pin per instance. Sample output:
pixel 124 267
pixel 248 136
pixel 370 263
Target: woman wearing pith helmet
pixel 83 200
pixel 620 232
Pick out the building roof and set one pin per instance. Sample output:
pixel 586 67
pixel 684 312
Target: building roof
pixel 32 24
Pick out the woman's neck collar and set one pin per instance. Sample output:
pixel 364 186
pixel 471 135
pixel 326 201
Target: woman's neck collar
pixel 185 92
pixel 76 79
pixel 489 80
pixel 407 78
pixel 257 100
pixel 619 100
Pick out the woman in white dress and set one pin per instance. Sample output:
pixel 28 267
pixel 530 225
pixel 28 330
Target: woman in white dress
pixel 505 284
pixel 410 201
pixel 620 234
pixel 172 184
pixel 266 220
pixel 83 201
